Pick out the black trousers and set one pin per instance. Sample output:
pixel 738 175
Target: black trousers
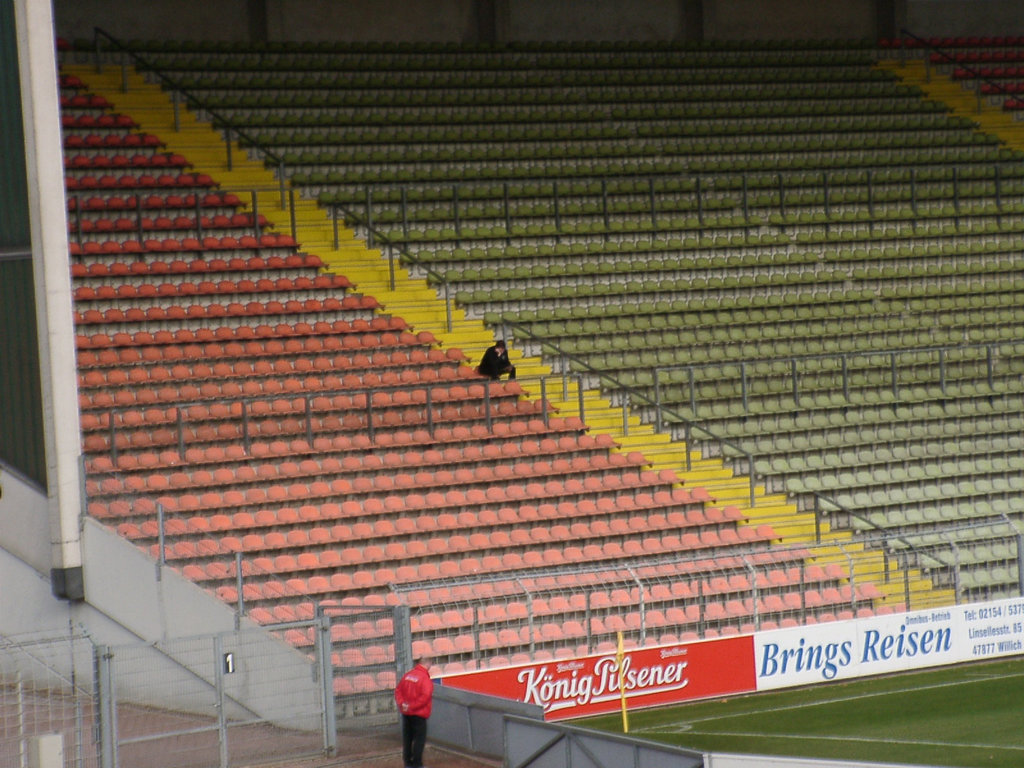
pixel 510 370
pixel 414 738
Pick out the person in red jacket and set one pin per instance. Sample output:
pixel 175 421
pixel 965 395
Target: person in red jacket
pixel 414 696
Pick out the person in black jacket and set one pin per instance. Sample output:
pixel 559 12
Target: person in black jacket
pixel 495 362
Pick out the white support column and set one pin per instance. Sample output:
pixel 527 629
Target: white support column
pixel 51 267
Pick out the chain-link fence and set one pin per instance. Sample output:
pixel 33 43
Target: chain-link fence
pixel 219 700
pixel 47 686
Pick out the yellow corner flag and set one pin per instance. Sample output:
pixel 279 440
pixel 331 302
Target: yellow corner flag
pixel 620 657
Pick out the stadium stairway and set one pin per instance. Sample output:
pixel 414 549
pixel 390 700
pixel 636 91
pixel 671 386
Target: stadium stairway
pixel 205 147
pixel 959 97
pixel 419 305
pixel 364 267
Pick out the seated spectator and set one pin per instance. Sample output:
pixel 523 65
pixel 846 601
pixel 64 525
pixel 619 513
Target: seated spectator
pixel 495 363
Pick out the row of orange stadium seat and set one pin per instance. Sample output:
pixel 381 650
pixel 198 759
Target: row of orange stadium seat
pixel 110 140
pixel 569 633
pixel 467 463
pixel 209 287
pixel 573 631
pixel 139 160
pixel 554 499
pixel 149 402
pixel 215 310
pixel 208 360
pixel 183 245
pixel 142 181
pixel 364 683
pixel 443 435
pixel 279 332
pixel 391 549
pixel 134 224
pixel 84 101
pixel 425 474
pixel 366 656
pixel 412 450
pixel 283 613
pixel 174 200
pixel 190 370
pixel 578 591
pixel 203 264
pixel 415 474
pixel 93 120
pixel 394 516
pixel 979 57
pixel 396 564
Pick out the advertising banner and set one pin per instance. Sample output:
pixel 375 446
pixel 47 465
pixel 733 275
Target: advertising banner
pixel 893 643
pixel 767 660
pixel 652 677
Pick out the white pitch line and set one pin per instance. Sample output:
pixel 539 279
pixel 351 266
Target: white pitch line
pixel 864 739
pixel 837 700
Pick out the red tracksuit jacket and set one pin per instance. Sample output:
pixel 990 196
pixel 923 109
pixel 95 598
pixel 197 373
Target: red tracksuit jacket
pixel 414 693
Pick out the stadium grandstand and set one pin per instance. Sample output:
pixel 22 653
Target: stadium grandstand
pixel 759 275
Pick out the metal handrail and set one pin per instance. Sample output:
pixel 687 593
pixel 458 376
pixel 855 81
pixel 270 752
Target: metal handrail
pixel 778 214
pixel 15 254
pixel 951 59
pixel 632 393
pixel 176 87
pixel 374 234
pixel 245 403
pixel 889 354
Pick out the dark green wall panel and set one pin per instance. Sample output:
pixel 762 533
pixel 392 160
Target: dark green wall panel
pixel 21 419
pixel 14 223
pixel 21 408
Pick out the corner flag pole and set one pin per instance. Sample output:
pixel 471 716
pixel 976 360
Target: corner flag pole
pixel 620 657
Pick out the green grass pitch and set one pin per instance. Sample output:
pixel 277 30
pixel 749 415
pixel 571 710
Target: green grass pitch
pixel 968 715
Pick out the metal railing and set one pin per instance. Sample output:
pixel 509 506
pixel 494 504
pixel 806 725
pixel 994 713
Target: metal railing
pixel 648 581
pixel 976 76
pixel 423 402
pixel 572 372
pixel 656 211
pixel 138 211
pixel 218 120
pixel 884 361
pixel 958 561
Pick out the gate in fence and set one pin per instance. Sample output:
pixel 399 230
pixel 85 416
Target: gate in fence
pixel 370 649
pixel 46 688
pixel 212 701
